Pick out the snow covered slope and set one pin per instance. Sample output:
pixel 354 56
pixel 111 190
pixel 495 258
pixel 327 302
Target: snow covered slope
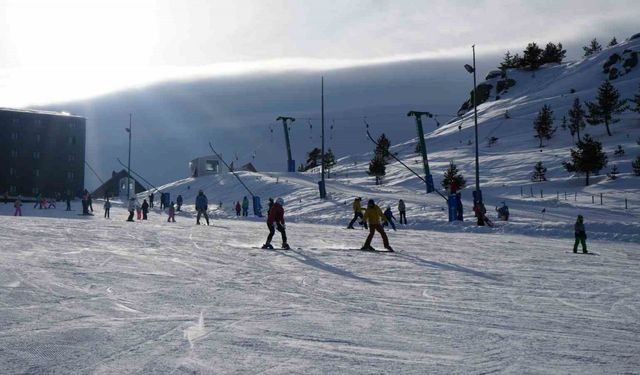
pixel 505 167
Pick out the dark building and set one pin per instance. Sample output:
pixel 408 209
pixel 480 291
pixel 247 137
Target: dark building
pixel 41 153
pixel 116 186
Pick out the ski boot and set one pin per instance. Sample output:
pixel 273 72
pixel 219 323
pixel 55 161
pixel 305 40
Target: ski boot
pixel 267 246
pixel 389 249
pixel 285 246
pixel 367 248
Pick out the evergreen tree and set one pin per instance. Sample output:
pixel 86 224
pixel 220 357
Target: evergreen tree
pixel 382 148
pixel 377 168
pixel 606 107
pixel 619 151
pixel 510 62
pixel 613 173
pixel 543 124
pixel 636 166
pixel 587 158
pixel 532 56
pixel 576 118
pixel 613 42
pixel 593 47
pixel 553 53
pixel 539 173
pixel 329 161
pixel 452 175
pixel 636 101
pixel 313 159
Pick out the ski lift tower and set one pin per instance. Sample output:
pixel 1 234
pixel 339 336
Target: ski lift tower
pixel 291 164
pixel 423 148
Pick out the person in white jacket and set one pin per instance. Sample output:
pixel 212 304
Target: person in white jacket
pixel 132 208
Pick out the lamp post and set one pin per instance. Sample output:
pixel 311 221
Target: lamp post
pixel 129 162
pixel 477 194
pixel 323 188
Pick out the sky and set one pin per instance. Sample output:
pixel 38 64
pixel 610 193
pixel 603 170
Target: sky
pixel 53 51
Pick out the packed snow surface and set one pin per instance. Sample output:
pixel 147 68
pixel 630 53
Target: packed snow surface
pixel 88 295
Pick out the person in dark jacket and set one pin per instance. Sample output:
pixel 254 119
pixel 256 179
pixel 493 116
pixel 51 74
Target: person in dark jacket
pixel 132 208
pixel 107 208
pixel 245 206
pixel 201 206
pixel 238 208
pixel 179 202
pixel 145 209
pixel 390 218
pixel 90 202
pixel 68 199
pixel 402 208
pixel 275 220
pixel 580 235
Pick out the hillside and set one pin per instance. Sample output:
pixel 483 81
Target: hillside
pixel 505 169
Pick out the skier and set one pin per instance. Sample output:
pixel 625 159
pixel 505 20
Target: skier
pixel 68 199
pixel 390 218
pixel 163 204
pixel 480 212
pixel 581 235
pixel 245 206
pixel 357 213
pixel 275 220
pixel 172 213
pixel 89 202
pixel 372 215
pixel 179 202
pixel 18 206
pixel 51 203
pixel 403 211
pixel 85 204
pixel 107 208
pixel 138 211
pixel 503 212
pixel 145 209
pixel 131 207
pixel 238 208
pixel 201 207
pixel 151 200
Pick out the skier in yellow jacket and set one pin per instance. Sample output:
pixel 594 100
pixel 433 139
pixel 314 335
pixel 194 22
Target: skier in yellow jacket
pixel 373 214
pixel 357 213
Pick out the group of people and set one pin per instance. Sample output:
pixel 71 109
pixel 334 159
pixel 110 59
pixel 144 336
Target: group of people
pixel 371 218
pixel 242 207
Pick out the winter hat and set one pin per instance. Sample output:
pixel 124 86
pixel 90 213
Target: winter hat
pixel 280 201
pixel 371 203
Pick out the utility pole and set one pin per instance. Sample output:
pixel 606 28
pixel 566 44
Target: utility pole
pixel 291 164
pixel 323 188
pixel 423 148
pixel 129 161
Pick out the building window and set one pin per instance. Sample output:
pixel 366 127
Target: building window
pixel 70 175
pixel 12 171
pixel 72 140
pixel 71 157
pixel 38 138
pixel 37 121
pixel 12 189
pixel 14 136
pixel 36 172
pixel 36 155
pixel 14 153
pixel 35 191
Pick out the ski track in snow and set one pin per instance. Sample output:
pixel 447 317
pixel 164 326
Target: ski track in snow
pixel 97 296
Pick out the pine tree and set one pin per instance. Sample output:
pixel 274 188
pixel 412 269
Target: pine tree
pixel 553 53
pixel 329 161
pixel 576 118
pixel 507 62
pixel 636 166
pixel 532 56
pixel 377 168
pixel 619 151
pixel 587 158
pixel 613 42
pixel 636 101
pixel 543 124
pixel 606 108
pixel 382 148
pixel 313 158
pixel 613 173
pixel 539 173
pixel 452 175
pixel 593 47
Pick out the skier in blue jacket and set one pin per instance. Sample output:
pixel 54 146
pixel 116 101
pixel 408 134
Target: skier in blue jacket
pixel 201 206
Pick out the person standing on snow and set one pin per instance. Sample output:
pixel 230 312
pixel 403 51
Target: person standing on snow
pixel 372 215
pixel 89 202
pixel 151 200
pixel 275 220
pixel 18 206
pixel 390 218
pixel 68 199
pixel 179 202
pixel 580 234
pixel 107 208
pixel 238 208
pixel 357 213
pixel 245 206
pixel 503 212
pixel 138 211
pixel 201 206
pixel 172 213
pixel 145 209
pixel 131 207
pixel 403 211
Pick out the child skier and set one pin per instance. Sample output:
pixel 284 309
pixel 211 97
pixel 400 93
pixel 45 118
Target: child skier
pixel 275 220
pixel 357 213
pixel 238 208
pixel 372 215
pixel 18 206
pixel 107 208
pixel 172 213
pixel 390 218
pixel 580 234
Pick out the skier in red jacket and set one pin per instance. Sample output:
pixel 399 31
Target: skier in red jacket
pixel 275 220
